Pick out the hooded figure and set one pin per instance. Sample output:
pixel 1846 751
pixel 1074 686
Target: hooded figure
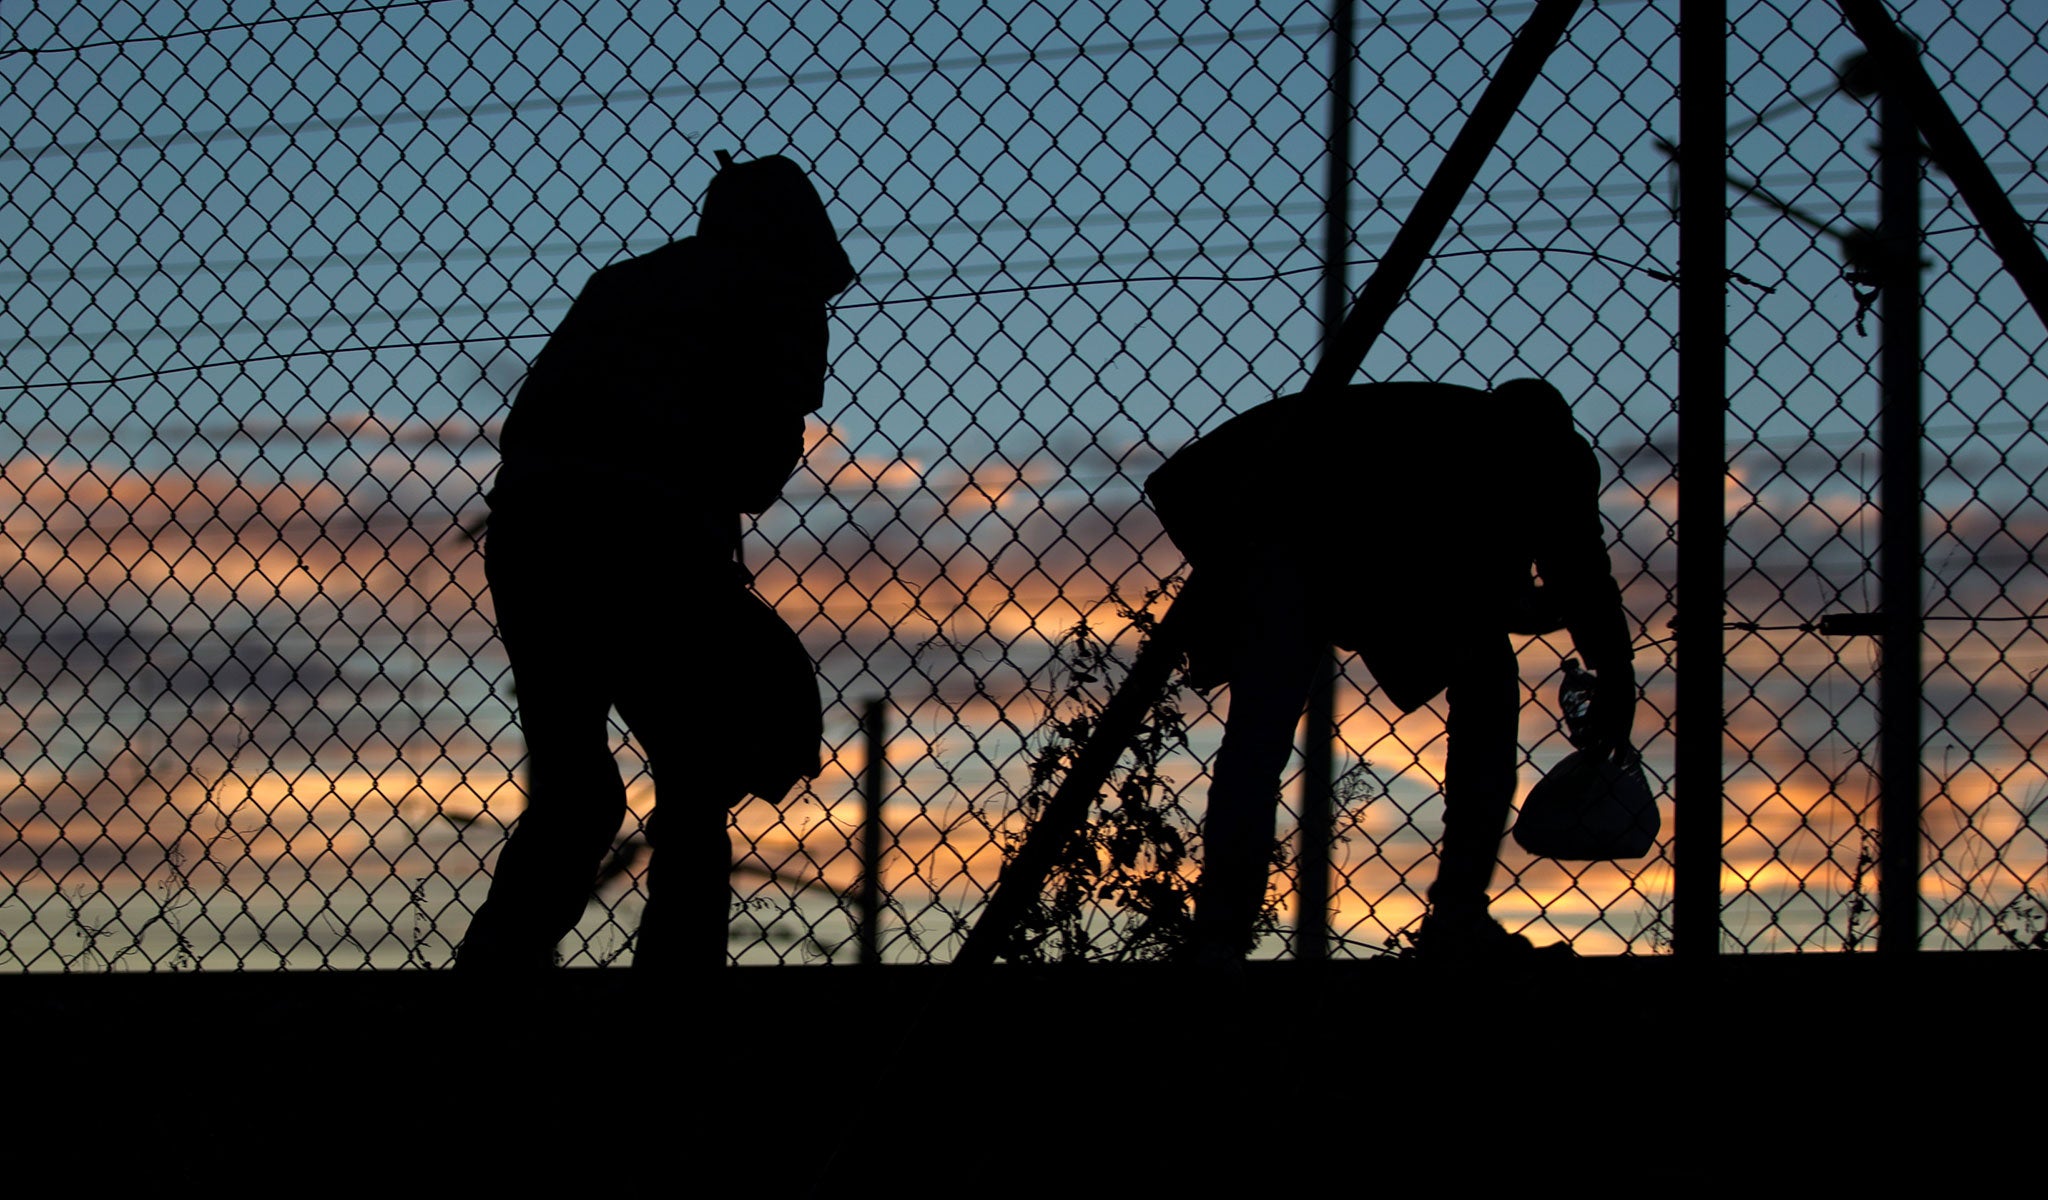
pixel 717 340
pixel 670 401
pixel 1407 522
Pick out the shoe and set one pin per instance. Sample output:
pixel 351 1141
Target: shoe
pixel 1476 938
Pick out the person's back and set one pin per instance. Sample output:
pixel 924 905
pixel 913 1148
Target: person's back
pixel 1416 510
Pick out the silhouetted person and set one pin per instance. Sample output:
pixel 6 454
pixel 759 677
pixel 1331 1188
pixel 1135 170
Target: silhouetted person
pixel 1401 521
pixel 670 401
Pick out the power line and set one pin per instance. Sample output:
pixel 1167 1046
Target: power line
pixel 294 19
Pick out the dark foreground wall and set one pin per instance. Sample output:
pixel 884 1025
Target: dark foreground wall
pixel 930 1081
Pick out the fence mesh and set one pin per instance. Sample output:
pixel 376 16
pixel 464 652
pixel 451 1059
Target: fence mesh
pixel 271 275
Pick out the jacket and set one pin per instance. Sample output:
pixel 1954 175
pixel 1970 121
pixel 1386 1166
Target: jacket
pixel 1421 514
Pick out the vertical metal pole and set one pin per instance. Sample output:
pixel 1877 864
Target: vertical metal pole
pixel 1319 732
pixel 1898 888
pixel 874 733
pixel 1318 769
pixel 1702 467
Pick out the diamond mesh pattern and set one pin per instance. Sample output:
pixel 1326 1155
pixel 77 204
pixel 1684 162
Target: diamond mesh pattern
pixel 272 273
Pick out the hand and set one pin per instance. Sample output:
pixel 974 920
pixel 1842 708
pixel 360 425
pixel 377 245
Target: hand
pixel 1614 710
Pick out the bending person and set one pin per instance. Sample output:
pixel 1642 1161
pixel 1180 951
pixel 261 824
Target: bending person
pixel 1402 521
pixel 670 401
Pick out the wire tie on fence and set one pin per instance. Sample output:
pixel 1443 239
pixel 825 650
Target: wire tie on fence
pixel 1852 625
pixel 1735 276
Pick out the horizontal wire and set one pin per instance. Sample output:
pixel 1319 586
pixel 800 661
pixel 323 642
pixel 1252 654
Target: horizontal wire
pixel 1618 219
pixel 612 99
pixel 925 298
pixel 292 19
pixel 931 230
pixel 929 65
pixel 1814 626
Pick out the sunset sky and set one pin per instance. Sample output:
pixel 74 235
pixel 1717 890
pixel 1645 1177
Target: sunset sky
pixel 268 290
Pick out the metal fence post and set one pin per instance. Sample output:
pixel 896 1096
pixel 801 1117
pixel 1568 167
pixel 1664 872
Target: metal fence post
pixel 1899 685
pixel 875 737
pixel 1702 466
pixel 1319 734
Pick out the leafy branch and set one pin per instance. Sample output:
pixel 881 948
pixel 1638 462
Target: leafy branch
pixel 1123 889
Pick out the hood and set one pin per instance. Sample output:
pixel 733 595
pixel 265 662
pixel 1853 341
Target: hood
pixel 1533 409
pixel 767 206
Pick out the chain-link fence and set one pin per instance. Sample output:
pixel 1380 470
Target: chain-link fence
pixel 272 273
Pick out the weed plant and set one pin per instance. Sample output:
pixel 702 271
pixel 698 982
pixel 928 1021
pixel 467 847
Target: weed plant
pixel 1123 888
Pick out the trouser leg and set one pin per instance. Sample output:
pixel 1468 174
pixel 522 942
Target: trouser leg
pixel 689 874
pixel 689 889
pixel 551 623
pixel 575 803
pixel 1272 661
pixel 1479 773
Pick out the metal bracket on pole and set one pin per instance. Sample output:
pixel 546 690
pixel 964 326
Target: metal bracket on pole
pixel 1342 356
pixel 1898 61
